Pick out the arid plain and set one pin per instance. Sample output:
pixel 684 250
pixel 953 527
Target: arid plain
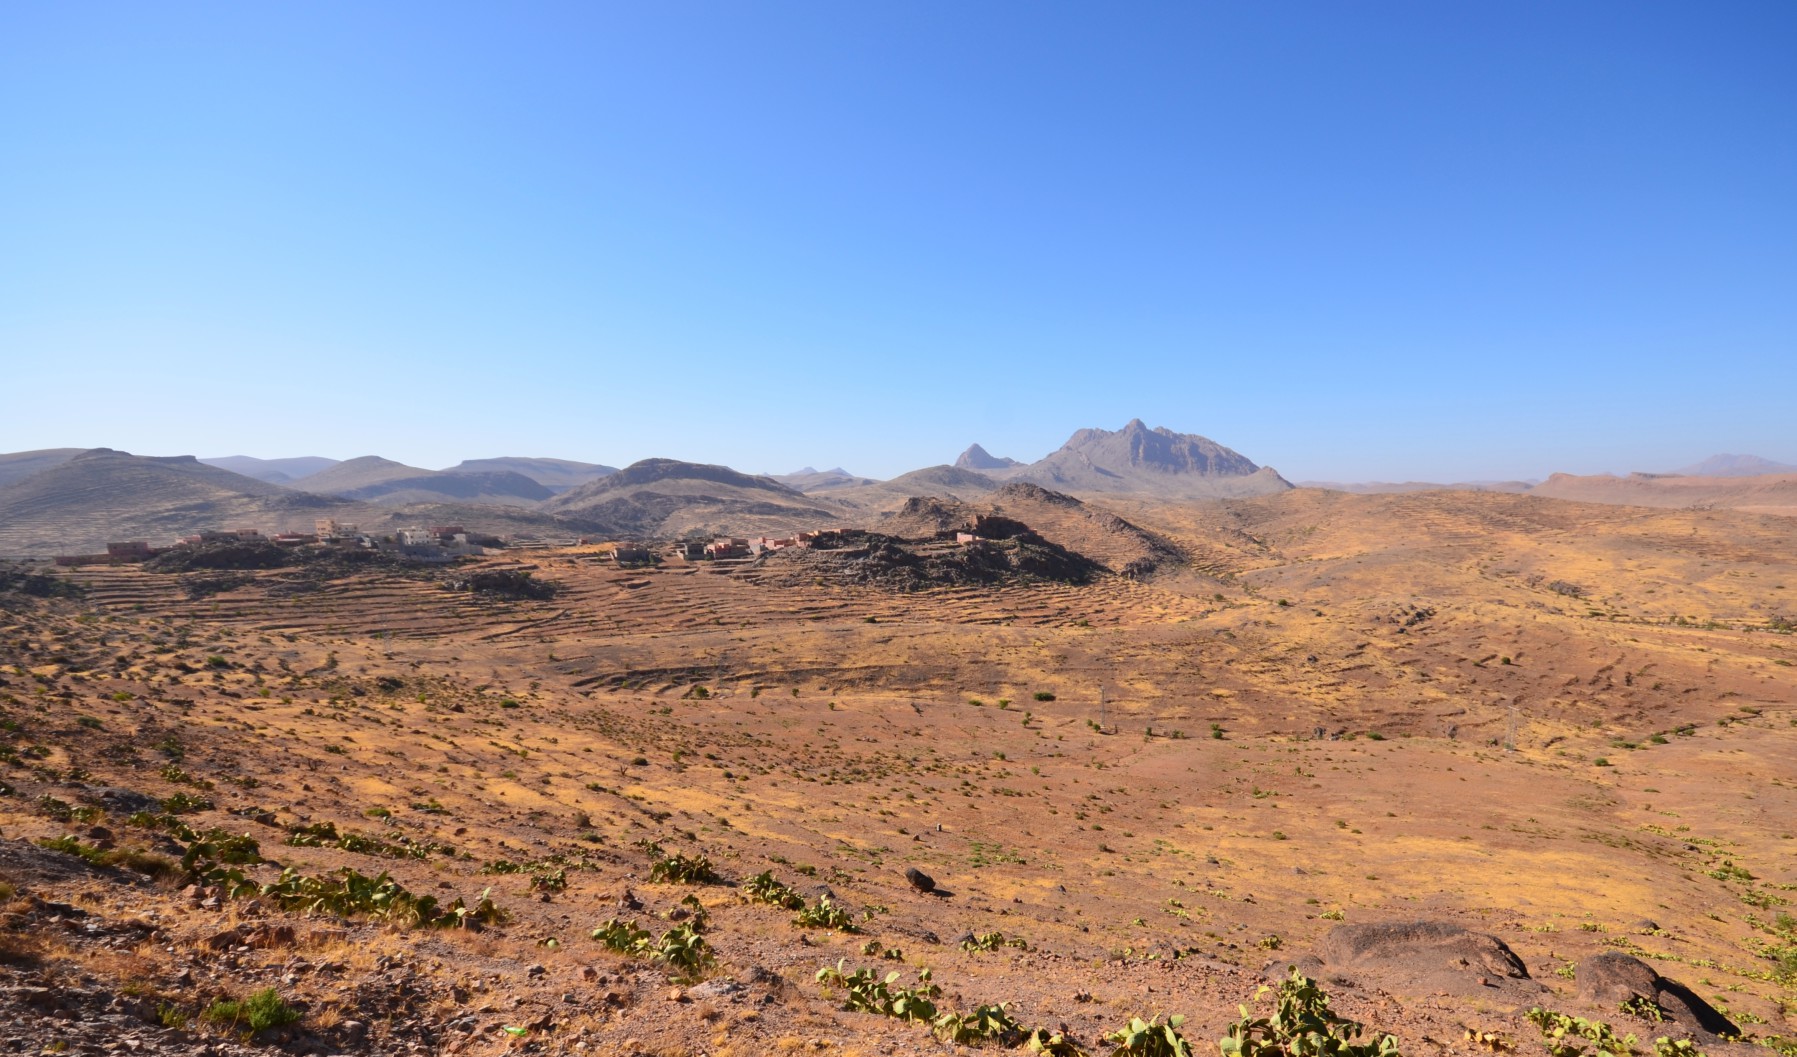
pixel 1572 727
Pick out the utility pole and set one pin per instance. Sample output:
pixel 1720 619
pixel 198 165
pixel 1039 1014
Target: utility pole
pixel 1510 732
pixel 1102 718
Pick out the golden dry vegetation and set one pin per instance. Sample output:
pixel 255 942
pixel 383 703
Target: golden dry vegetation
pixel 1569 726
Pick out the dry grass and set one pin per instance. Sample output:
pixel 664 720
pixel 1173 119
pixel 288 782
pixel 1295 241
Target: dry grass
pixel 1046 829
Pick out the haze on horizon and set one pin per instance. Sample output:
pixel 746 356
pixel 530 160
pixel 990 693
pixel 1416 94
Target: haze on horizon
pixel 1479 242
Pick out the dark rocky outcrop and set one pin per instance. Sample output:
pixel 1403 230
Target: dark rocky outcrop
pixel 1612 979
pixel 1423 957
pixel 506 584
pixel 221 554
pixel 1418 943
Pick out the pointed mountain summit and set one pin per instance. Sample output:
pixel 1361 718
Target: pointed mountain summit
pixel 978 458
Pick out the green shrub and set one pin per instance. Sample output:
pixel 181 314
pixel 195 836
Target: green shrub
pixel 1151 1038
pixel 1053 1045
pixel 185 804
pixel 992 941
pixel 825 915
pixel 763 888
pixel 349 893
pixel 985 1024
pixel 683 950
pixel 867 993
pixel 1564 1036
pixel 141 861
pixel 683 869
pixel 1301 1025
pixel 326 835
pixel 622 936
pixel 263 1010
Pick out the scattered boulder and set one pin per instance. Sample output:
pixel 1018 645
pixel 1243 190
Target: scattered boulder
pixel 223 941
pixel 124 802
pixel 919 880
pixel 505 584
pixel 716 989
pixel 1612 979
pixel 1424 957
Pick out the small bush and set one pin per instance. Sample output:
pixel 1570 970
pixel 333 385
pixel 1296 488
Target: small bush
pixel 985 1024
pixel 1301 1025
pixel 825 915
pixel 683 869
pixel 141 861
pixel 867 993
pixel 263 1010
pixel 992 941
pixel 1564 1035
pixel 1150 1038
pixel 763 888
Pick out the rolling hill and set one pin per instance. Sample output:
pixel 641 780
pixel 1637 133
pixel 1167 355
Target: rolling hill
pixel 557 475
pixel 1774 493
pixel 377 480
pixel 1118 545
pixel 274 471
pixel 667 497
pixel 102 496
pixel 810 480
pixel 18 465
pixel 1399 487
pixel 949 481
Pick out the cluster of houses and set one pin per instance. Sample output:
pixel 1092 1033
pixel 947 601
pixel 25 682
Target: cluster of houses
pixel 720 548
pixel 728 547
pixel 440 543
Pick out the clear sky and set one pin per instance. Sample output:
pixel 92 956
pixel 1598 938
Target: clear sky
pixel 1351 240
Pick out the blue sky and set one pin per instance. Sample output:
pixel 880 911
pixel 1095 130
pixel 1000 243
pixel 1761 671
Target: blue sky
pixel 1352 241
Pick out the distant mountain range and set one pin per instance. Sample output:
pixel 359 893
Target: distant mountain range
pixel 1771 493
pixel 1387 487
pixel 1735 466
pixel 502 480
pixel 76 500
pixel 274 471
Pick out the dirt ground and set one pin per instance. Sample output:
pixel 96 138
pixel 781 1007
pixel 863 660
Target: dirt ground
pixel 1571 727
